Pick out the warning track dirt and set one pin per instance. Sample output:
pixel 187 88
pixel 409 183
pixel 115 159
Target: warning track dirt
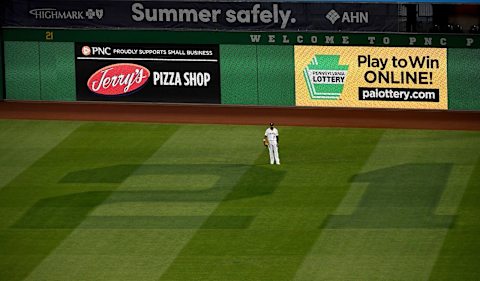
pixel 242 115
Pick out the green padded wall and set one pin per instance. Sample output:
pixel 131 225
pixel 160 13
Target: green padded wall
pixel 40 71
pixel 276 75
pixel 57 71
pixel 238 74
pixel 463 79
pixel 1 66
pixel 22 70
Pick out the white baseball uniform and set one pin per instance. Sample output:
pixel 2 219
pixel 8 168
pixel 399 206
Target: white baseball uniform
pixel 271 135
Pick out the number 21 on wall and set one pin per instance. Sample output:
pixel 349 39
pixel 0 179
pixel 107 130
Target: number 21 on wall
pixel 49 35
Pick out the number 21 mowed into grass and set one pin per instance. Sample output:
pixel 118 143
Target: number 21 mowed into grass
pixel 134 201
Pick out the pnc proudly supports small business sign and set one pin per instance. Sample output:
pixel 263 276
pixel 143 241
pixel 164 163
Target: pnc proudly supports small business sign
pixel 381 77
pixel 147 73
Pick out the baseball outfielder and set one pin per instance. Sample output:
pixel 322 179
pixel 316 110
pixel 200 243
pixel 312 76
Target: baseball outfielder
pixel 271 140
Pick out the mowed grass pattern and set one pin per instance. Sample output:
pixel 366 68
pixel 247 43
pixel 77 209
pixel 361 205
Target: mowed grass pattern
pixel 123 201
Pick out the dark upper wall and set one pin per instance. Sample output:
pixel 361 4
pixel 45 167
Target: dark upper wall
pixel 373 16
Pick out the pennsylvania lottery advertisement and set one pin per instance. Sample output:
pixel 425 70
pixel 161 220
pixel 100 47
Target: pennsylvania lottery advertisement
pixel 378 77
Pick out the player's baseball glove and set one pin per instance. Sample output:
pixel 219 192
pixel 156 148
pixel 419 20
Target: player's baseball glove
pixel 265 142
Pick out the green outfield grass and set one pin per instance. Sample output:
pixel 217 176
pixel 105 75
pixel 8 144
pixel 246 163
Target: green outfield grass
pixel 132 201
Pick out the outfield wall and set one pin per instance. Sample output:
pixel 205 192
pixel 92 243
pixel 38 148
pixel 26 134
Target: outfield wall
pixel 464 79
pixel 40 64
pixel 2 78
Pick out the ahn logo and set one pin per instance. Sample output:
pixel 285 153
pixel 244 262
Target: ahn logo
pixel 347 17
pixel 118 79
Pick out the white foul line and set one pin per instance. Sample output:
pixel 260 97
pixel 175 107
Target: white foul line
pixel 146 59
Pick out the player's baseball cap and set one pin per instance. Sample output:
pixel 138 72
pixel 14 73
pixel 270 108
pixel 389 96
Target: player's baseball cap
pixel 271 124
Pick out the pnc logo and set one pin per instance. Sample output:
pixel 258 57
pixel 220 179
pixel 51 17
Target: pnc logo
pixel 86 51
pixel 118 79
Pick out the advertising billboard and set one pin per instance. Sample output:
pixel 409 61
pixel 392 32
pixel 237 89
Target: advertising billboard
pixel 371 77
pixel 147 73
pixel 201 15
